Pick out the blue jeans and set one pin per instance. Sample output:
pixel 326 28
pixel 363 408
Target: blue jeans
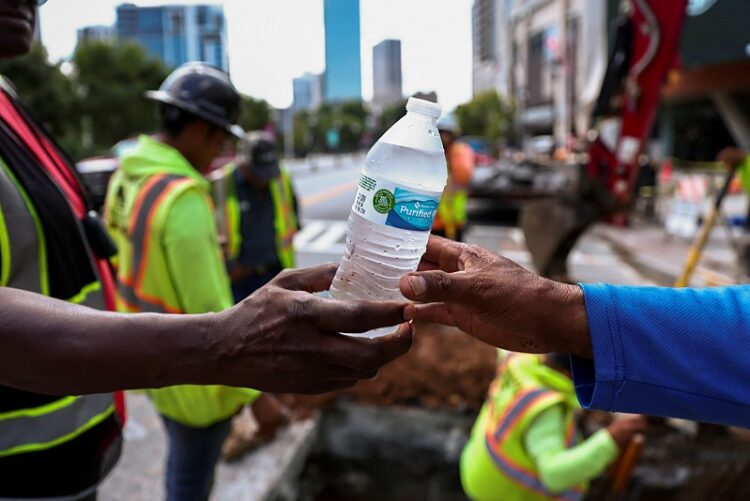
pixel 192 457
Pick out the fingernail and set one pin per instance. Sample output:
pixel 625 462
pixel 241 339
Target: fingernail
pixel 418 285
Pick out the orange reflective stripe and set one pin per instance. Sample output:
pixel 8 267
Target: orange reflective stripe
pixel 145 190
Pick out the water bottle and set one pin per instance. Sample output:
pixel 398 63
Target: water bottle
pixel 399 191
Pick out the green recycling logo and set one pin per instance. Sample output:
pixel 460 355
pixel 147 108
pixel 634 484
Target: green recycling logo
pixel 383 201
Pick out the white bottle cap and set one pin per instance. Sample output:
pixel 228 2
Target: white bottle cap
pixel 428 108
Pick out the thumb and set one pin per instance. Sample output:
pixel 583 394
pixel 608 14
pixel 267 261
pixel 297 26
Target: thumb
pixel 434 286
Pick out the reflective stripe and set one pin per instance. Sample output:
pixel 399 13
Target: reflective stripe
pixel 46 426
pixel 513 414
pixel 525 478
pixel 22 256
pixel 129 288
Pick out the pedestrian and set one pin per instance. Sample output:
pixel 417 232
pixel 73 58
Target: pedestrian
pixel 51 445
pixel 645 350
pixel 738 160
pixel 451 217
pixel 256 216
pixel 525 443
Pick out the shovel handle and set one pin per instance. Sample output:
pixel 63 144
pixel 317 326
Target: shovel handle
pixel 626 464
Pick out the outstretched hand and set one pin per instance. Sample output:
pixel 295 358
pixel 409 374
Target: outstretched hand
pixel 496 300
pixel 284 338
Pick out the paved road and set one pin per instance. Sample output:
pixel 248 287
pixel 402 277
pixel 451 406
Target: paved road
pixel 325 197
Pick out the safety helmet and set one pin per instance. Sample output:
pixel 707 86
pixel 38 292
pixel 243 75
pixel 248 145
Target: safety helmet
pixel 204 91
pixel 257 152
pixel 449 123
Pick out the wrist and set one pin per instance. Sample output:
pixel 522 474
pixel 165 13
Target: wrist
pixel 569 318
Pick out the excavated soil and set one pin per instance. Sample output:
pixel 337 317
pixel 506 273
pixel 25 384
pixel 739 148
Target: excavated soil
pixel 445 369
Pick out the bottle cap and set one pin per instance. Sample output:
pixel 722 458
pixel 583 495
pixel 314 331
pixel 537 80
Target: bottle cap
pixel 428 108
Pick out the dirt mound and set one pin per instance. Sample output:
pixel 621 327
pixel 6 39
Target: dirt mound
pixel 445 369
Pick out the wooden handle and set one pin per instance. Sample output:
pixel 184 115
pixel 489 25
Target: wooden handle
pixel 625 466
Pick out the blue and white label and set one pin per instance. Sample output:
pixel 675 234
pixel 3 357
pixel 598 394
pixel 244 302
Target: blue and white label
pixel 396 205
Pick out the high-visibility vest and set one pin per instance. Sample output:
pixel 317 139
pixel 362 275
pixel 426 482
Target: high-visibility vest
pixel 744 172
pixel 494 464
pixel 228 215
pixel 136 208
pixel 23 265
pixel 452 210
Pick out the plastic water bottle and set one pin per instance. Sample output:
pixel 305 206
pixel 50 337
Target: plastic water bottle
pixel 399 191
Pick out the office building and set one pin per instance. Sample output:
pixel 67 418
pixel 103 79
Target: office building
pixel 96 34
pixel 343 79
pixel 386 72
pixel 177 33
pixel 308 92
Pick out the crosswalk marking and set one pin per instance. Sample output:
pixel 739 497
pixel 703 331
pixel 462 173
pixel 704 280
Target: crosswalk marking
pixel 330 238
pixel 309 231
pixel 321 236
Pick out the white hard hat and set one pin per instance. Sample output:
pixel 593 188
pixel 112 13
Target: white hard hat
pixel 449 123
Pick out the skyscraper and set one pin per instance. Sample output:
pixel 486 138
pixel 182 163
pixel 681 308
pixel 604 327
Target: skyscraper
pixel 177 33
pixel 308 91
pixel 386 72
pixel 343 79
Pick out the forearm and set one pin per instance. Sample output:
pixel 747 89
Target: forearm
pixel 670 352
pixel 562 470
pixel 54 347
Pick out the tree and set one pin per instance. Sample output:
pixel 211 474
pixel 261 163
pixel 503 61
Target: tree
pixel 488 115
pixel 256 113
pixel 345 121
pixel 111 80
pixel 49 95
pixel 389 116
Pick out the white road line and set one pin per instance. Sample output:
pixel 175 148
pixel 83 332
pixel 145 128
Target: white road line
pixel 329 238
pixel 309 231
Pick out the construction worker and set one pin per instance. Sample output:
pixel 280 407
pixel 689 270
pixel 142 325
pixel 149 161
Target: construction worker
pixel 53 346
pixel 452 211
pixel 525 444
pixel 159 210
pixel 51 445
pixel 256 214
pixel 737 159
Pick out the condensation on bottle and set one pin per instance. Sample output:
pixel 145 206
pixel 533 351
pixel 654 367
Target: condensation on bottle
pixel 396 202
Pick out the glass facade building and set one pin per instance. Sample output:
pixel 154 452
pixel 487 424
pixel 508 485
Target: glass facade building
pixel 343 78
pixel 177 33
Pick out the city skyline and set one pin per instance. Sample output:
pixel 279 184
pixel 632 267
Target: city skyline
pixel 271 43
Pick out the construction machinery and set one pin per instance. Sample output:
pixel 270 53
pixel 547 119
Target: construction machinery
pixel 644 47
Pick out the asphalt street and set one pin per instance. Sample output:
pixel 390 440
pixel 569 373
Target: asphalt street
pixel 325 195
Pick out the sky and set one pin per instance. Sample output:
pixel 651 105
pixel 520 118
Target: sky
pixel 272 41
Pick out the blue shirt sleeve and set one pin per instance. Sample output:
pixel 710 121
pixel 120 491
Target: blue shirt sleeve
pixel 668 352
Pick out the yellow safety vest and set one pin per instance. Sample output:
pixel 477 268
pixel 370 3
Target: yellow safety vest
pixel 23 265
pixel 494 463
pixel 136 208
pixel 228 214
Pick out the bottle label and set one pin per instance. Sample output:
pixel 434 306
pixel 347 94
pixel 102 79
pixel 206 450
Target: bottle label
pixel 393 204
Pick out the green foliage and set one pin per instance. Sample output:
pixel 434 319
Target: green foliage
pixel 389 116
pixel 111 80
pixel 311 129
pixel 48 94
pixel 488 115
pixel 256 113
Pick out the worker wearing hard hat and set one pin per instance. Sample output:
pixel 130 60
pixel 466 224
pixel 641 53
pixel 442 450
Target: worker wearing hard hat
pixel 452 211
pixel 525 443
pixel 159 211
